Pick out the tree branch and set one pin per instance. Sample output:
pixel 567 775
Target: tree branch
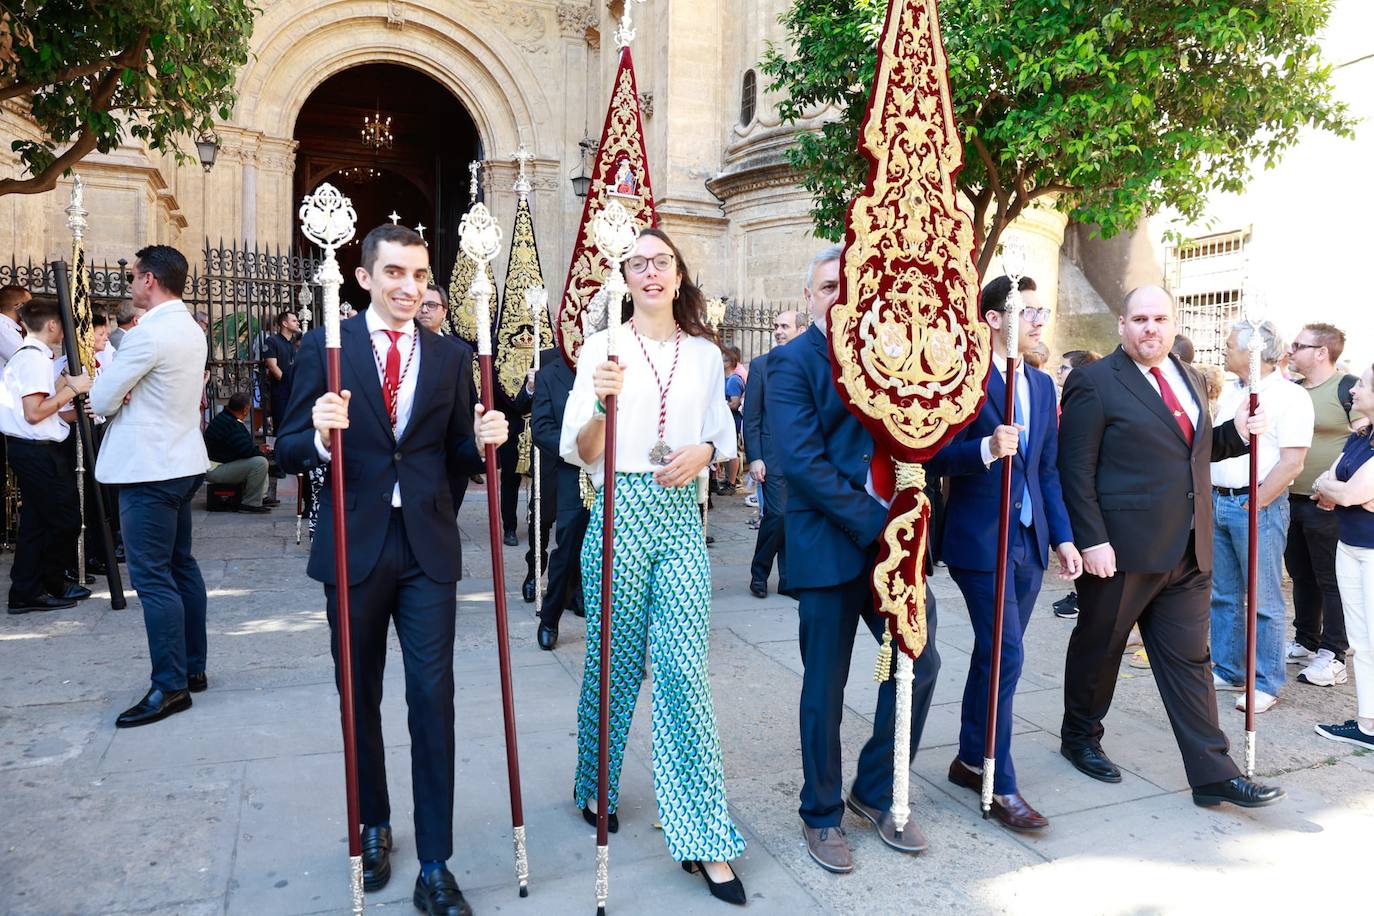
pixel 66 76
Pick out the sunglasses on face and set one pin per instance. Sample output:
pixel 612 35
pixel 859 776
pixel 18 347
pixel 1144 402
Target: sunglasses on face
pixel 1302 346
pixel 639 264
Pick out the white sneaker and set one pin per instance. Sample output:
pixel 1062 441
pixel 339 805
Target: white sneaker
pixel 1220 683
pixel 1325 670
pixel 1263 702
pixel 1295 654
pixel 752 500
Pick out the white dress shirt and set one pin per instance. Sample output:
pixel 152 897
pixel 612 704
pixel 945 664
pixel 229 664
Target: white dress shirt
pixel 1182 390
pixel 30 371
pixel 11 339
pixel 697 412
pixel 1291 420
pixel 405 397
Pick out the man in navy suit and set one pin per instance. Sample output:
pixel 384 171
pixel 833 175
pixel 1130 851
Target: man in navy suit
pixel 413 431
pixel 833 521
pixel 1039 521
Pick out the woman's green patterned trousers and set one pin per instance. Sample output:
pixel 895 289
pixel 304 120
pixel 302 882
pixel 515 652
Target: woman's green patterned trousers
pixel 661 595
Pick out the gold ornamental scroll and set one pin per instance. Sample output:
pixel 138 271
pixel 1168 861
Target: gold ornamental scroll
pixel 908 349
pixel 621 174
pixel 515 344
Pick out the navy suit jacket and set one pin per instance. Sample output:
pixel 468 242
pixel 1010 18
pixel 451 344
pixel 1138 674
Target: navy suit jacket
pixel 552 385
pixel 975 490
pixel 436 448
pixel 831 522
pixel 758 439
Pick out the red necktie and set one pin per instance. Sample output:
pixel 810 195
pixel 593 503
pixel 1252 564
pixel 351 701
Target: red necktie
pixel 884 473
pixel 391 380
pixel 1166 391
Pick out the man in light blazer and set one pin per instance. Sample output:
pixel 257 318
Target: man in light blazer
pixel 154 453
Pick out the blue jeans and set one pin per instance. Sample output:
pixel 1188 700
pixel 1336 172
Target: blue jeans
pixel 156 521
pixel 1231 556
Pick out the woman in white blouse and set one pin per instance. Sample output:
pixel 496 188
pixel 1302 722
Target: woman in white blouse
pixel 671 424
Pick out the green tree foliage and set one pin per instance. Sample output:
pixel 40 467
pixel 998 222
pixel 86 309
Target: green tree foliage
pixel 91 71
pixel 1117 107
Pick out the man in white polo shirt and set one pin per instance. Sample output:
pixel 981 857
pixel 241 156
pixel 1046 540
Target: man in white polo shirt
pixel 35 416
pixel 1282 451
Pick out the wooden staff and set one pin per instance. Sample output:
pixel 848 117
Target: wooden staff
pixel 480 239
pixel 616 235
pixel 1256 348
pixel 327 219
pixel 86 438
pixel 1011 317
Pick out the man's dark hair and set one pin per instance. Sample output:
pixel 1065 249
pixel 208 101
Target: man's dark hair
pixel 238 402
pixel 166 264
pixel 98 320
pixel 11 296
pixel 438 290
pixel 387 232
pixel 1077 359
pixel 1327 335
pixel 1183 349
pixel 285 314
pixel 994 296
pixel 38 311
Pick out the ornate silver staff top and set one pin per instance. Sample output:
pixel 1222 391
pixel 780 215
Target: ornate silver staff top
pixel 1253 316
pixel 615 233
pixel 480 239
pixel 474 167
pixel 328 220
pixel 76 210
pixel 626 33
pixel 1014 265
pixel 523 156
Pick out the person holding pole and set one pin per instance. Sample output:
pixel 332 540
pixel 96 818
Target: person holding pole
pixel 973 462
pixel 1135 444
pixel 413 429
pixel 671 425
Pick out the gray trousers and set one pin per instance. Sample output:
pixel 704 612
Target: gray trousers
pixel 251 472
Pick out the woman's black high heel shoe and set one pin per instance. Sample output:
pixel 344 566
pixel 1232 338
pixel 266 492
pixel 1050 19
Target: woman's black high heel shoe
pixel 731 891
pixel 612 822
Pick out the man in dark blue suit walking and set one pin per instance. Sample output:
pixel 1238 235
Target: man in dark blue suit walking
pixel 413 430
pixel 833 520
pixel 1039 521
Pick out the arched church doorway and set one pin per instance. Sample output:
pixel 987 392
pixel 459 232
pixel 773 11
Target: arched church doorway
pixel 397 143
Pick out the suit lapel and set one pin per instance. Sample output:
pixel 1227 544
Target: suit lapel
pixel 1130 375
pixel 1204 412
pixel 361 363
pixel 997 394
pixel 424 382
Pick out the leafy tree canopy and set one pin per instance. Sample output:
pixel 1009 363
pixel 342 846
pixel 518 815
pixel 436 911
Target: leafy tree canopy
pixel 1117 107
pixel 91 71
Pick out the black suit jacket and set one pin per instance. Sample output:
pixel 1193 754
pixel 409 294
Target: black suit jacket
pixel 437 446
pixel 1128 474
pixel 552 385
pixel 758 441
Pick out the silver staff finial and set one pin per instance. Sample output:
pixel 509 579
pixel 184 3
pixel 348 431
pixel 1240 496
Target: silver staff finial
pixel 523 157
pixel 395 218
pixel 76 210
pixel 626 33
pixel 475 166
pixel 420 228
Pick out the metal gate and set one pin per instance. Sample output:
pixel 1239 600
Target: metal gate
pixel 749 325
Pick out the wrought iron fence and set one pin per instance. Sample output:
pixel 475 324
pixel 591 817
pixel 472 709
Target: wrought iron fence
pixel 749 325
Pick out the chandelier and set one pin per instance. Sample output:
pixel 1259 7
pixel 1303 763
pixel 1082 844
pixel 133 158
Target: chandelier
pixel 376 132
pixel 360 174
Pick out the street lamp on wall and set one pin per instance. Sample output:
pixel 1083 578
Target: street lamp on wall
pixel 207 148
pixel 581 181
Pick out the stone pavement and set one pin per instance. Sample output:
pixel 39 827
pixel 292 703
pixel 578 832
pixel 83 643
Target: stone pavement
pixel 236 806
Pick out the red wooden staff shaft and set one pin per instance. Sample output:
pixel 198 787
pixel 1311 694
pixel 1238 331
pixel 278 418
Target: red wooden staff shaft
pixel 999 590
pixel 1252 576
pixel 344 621
pixel 498 583
pixel 603 755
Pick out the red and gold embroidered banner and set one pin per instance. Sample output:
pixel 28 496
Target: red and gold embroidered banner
pixel 908 348
pixel 621 173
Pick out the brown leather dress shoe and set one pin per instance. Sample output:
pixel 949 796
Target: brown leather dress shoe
pixel 1010 810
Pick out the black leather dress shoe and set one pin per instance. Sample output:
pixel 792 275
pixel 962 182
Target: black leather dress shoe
pixel 376 857
pixel 612 822
pixel 70 576
pixel 255 510
pixel 72 592
pixel 39 603
pixel 440 896
pixel 547 636
pixel 1240 791
pixel 757 590
pixel 510 540
pixel 1089 760
pixel 96 568
pixel 271 501
pixel 156 705
pixel 527 590
pixel 197 683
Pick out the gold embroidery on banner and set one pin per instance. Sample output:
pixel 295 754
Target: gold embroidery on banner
pixel 621 147
pixel 462 309
pixel 899 576
pixel 514 343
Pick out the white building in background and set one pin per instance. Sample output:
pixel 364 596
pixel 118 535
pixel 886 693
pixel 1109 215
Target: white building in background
pixel 1301 233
